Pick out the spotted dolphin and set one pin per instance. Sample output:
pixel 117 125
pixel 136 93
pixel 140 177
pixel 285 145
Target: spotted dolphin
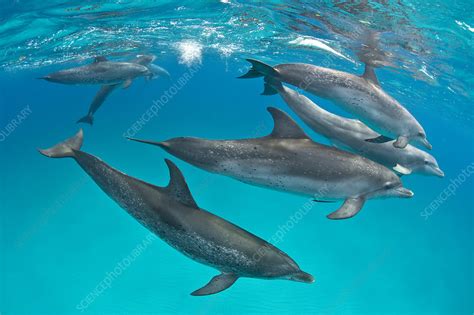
pixel 350 134
pixel 289 160
pixel 101 71
pixel 106 90
pixel 362 96
pixel 172 214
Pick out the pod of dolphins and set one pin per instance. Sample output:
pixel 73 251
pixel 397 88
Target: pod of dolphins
pixel 366 161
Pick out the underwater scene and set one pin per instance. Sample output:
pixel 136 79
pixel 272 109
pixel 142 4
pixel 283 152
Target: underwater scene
pixel 237 157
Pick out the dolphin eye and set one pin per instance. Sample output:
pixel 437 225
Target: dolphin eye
pixel 388 186
pixel 421 134
pixel 426 162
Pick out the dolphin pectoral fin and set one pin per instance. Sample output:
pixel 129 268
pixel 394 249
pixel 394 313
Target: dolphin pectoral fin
pixel 178 188
pixel 401 142
pixel 284 127
pixel 369 75
pixel 402 169
pixel 217 284
pixel 126 83
pixel 100 59
pixel 379 139
pixel 349 209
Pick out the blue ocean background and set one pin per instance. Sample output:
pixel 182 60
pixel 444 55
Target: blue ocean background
pixel 61 235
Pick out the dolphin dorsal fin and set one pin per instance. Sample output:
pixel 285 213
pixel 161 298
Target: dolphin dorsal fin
pixel 284 126
pixel 369 75
pixel 100 59
pixel 177 187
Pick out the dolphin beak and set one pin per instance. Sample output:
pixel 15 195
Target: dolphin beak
pixel 162 144
pixel 426 144
pixel 144 141
pixel 302 276
pixel 438 172
pixel 404 192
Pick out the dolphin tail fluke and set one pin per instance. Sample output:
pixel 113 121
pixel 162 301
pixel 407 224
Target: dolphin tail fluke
pixel 350 208
pixel 259 69
pixel 272 86
pixel 65 148
pixel 217 284
pixel 268 90
pixel 88 119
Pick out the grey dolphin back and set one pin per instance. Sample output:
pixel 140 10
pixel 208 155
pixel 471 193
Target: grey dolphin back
pixel 217 284
pixel 284 126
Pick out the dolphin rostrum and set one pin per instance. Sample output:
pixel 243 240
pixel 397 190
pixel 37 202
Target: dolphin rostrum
pixel 289 160
pixel 172 214
pixel 106 90
pixel 101 71
pixel 351 134
pixel 362 96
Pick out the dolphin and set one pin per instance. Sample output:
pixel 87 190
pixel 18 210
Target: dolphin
pixel 147 61
pixel 350 134
pixel 289 160
pixel 101 71
pixel 98 100
pixel 106 90
pixel 173 215
pixel 362 96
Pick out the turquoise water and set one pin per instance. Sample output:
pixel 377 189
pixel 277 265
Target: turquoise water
pixel 67 248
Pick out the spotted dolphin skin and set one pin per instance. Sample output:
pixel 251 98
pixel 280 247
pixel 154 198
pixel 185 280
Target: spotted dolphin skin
pixel 172 213
pixel 351 134
pixel 360 95
pixel 289 160
pixel 106 90
pixel 102 72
